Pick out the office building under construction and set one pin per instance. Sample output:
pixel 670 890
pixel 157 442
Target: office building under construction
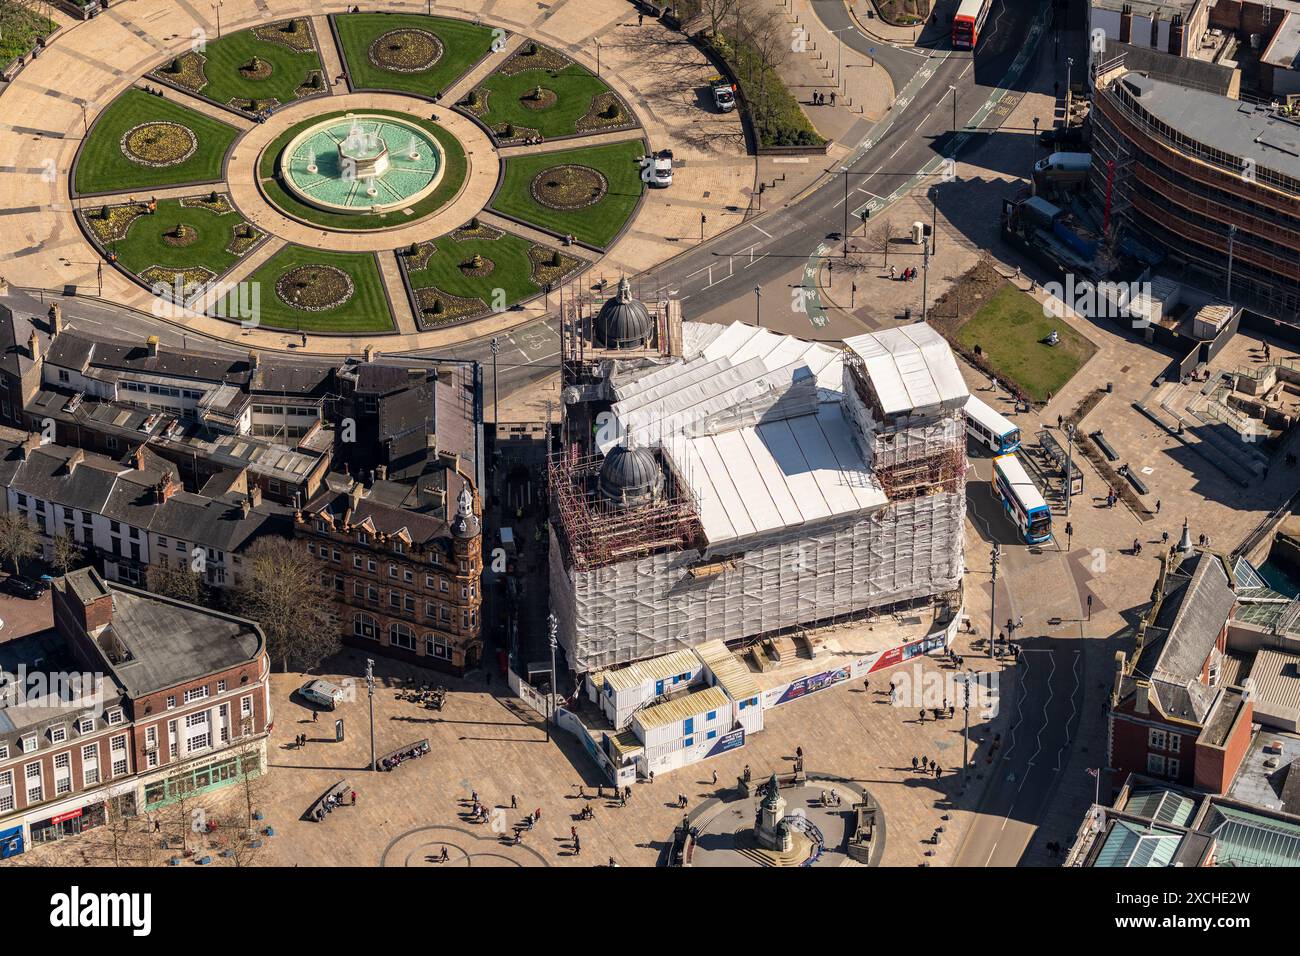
pixel 725 482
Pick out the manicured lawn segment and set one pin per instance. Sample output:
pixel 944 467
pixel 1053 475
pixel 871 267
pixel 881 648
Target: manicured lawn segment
pixel 596 224
pixel 366 311
pixel 463 45
pixel 445 265
pixel 146 241
pixel 1010 329
pixel 453 177
pixel 103 167
pixel 503 94
pixel 290 68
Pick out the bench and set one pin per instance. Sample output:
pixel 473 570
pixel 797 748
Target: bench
pixel 337 791
pixel 390 761
pixel 1100 439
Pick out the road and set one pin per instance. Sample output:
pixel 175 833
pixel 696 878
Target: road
pixel 1048 681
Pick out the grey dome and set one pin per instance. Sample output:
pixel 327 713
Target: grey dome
pixel 623 322
pixel 630 476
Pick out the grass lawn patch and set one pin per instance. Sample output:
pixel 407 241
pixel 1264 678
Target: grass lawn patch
pixel 195 239
pixel 252 69
pixel 540 91
pixel 1009 330
pixel 478 269
pixel 21 28
pixel 337 292
pixel 596 222
pixel 172 144
pixel 453 177
pixel 385 51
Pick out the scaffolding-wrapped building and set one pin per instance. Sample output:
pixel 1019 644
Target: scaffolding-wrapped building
pixel 753 483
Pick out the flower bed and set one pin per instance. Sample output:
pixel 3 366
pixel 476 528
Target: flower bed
pixel 569 187
pixel 159 144
pixel 438 307
pixel 405 51
pixel 534 56
pixel 607 112
pixel 188 71
pixel 315 288
pixel 545 268
pixel 294 34
pixel 111 223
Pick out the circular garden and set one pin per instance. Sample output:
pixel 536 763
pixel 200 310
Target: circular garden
pixel 319 266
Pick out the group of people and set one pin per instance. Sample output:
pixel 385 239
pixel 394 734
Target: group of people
pixel 940 713
pixel 154 91
pixel 926 765
pixel 821 99
pixel 832 799
pixel 682 801
pixel 908 274
pixel 419 750
pixel 333 801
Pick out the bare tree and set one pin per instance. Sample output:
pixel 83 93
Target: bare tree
pixel 281 592
pixel 715 12
pixel 125 839
pixel 67 554
pixel 768 38
pixel 18 539
pixel 177 582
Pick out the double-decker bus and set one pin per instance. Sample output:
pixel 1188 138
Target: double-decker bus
pixel 990 429
pixel 1021 498
pixel 968 22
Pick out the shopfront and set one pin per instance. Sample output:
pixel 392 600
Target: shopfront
pixel 200 778
pixel 69 824
pixel 11 842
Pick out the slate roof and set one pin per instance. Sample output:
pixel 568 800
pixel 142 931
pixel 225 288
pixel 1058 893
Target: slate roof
pixel 1197 601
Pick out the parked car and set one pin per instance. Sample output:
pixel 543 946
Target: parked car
pixel 321 693
pixel 724 94
pixel 24 587
pixel 657 170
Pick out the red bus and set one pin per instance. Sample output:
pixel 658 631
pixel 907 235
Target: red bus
pixel 968 22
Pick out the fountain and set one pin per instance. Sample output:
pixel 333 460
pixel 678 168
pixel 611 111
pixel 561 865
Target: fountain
pixel 344 164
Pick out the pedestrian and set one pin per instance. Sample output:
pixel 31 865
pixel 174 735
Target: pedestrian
pixel 573 832
pixel 443 857
pixel 922 717
pixel 314 714
pixel 798 752
pixel 640 19
pixel 577 848
pixel 1059 421
pixel 1164 537
pixel 514 804
pixel 832 97
pixel 715 778
pixel 157 825
pixel 924 761
pixel 652 776
pixel 1157 506
pixel 938 771
pixel 354 798
pixel 537 815
pixel 914 763
pixel 933 765
pixel 1020 621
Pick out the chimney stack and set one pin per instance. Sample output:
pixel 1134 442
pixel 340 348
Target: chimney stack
pixel 1126 24
pixel 381 472
pixel 252 360
pixel 75 459
pixel 137 458
pixel 29 445
pixel 34 346
pixel 255 495
pixel 244 507
pixel 164 490
pixel 355 495
pixel 151 344
pixel 56 319
pixel 369 353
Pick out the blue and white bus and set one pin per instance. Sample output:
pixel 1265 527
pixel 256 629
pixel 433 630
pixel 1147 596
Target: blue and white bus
pixel 1021 498
pixel 990 429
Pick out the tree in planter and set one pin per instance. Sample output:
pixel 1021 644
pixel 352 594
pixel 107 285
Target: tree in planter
pixel 281 592
pixel 413 250
pixel 18 539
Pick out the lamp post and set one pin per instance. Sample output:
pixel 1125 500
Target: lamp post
pixel 1033 147
pixel 217 8
pixel 758 305
pixel 597 39
pixel 993 607
pixel 1069 466
pixel 1069 73
pixel 934 218
pixel 496 347
pixel 1232 239
pixel 370 693
pixel 925 284
pixel 953 89
pixel 965 732
pixel 550 704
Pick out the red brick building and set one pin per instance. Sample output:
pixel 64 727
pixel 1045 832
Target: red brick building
pixel 1171 717
pixel 164 698
pixel 405 568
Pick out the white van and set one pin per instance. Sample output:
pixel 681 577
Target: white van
pixel 1063 169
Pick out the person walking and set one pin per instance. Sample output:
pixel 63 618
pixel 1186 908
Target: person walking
pixel 514 803
pixel 922 715
pixel 914 763
pixel 832 97
pixel 715 778
pixel 314 714
pixel 354 798
pixel 1157 506
pixel 573 832
pixel 938 771
pixel 798 752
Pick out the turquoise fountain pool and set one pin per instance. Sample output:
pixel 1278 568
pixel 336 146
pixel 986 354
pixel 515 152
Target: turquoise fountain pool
pixel 362 163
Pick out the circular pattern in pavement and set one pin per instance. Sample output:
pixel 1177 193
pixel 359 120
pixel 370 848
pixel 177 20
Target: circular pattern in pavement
pixel 423 846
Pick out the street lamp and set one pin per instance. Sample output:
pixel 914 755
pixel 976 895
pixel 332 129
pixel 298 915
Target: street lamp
pixel 953 89
pixel 1069 71
pixel 1069 465
pixel 370 692
pixel 217 7
pixel 550 706
pixel 965 732
pixel 597 39
pixel 1232 238
pixel 758 305
pixel 496 347
pixel 993 607
pixel 1033 147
